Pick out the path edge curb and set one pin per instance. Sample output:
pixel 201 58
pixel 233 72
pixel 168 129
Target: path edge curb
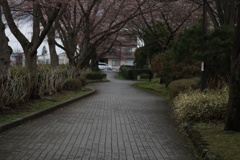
pixel 199 144
pixel 34 115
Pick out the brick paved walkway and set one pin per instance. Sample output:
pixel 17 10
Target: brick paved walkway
pixel 119 122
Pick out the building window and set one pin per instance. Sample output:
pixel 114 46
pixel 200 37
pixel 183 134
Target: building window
pixel 115 63
pixel 128 51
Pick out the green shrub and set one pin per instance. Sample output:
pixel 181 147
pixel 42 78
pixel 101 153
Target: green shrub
pixel 177 86
pixel 72 84
pixel 95 76
pixel 124 71
pixel 83 81
pixel 132 74
pixel 195 105
pixel 144 76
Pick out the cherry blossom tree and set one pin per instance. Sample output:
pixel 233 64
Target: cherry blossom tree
pixel 68 30
pixel 88 26
pixel 51 35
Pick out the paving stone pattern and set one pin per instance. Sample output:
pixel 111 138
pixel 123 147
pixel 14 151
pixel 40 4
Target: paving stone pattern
pixel 119 122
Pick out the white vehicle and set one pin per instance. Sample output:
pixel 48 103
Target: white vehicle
pixel 104 66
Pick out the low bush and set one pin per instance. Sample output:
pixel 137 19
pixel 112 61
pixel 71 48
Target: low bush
pixel 16 87
pixel 83 81
pixel 123 71
pixel 132 74
pixel 95 76
pixel 177 86
pixel 144 76
pixel 50 80
pixel 194 105
pixel 135 72
pixel 72 84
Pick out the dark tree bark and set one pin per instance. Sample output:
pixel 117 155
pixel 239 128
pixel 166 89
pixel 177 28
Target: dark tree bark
pixel 88 25
pixel 226 13
pixel 233 110
pixel 52 48
pixel 38 35
pixel 30 47
pixel 5 50
pixel 222 12
pixel 69 41
pixel 52 33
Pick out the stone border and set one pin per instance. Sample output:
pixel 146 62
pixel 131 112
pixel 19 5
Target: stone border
pixel 199 144
pixel 19 121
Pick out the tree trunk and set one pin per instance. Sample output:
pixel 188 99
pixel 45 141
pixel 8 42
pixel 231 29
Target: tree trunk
pixel 52 48
pixel 94 62
pixel 5 51
pixel 69 45
pixel 233 110
pixel 86 53
pixel 70 52
pixel 31 64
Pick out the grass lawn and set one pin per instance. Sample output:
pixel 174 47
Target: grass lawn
pixel 154 86
pixel 13 113
pixel 223 143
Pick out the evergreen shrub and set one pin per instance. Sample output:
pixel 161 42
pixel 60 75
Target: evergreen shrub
pixel 133 73
pixel 124 71
pixel 144 76
pixel 83 80
pixel 95 76
pixel 72 84
pixel 130 73
pixel 177 86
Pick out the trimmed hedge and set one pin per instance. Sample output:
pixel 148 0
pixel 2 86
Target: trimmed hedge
pixel 177 86
pixel 95 76
pixel 130 73
pixel 83 81
pixel 72 84
pixel 144 76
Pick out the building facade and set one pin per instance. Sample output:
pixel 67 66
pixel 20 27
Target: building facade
pixel 122 52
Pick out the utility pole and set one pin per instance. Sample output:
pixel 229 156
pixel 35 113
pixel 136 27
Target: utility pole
pixel 203 64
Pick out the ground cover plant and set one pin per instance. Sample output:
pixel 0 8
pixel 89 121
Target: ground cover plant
pixel 154 86
pixel 224 143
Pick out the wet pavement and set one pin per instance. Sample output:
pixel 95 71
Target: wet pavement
pixel 118 122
